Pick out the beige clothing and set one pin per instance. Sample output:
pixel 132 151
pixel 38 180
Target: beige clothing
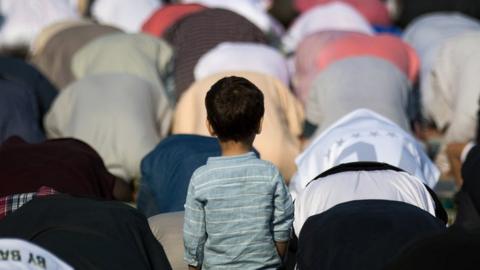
pixel 168 230
pixel 139 55
pixel 451 97
pixel 51 30
pixel 115 114
pixel 282 125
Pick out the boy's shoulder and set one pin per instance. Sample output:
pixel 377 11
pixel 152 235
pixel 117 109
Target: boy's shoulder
pixel 254 164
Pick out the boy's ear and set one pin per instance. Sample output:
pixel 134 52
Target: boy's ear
pixel 259 129
pixel 209 128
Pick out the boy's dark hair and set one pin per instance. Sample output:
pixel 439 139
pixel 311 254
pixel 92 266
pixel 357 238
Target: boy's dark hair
pixel 234 108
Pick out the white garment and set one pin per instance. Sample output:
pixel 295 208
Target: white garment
pixel 332 16
pixel 168 230
pixel 253 10
pixel 362 135
pixel 24 19
pixel 115 114
pixel 243 56
pixel 327 192
pixel 127 15
pixel 21 255
pixel 426 35
pixel 452 91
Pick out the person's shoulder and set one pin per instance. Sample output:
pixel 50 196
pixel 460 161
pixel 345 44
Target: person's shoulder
pixel 199 172
pixel 266 166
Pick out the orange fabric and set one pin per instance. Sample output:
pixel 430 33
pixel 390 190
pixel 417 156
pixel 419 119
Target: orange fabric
pixel 373 10
pixel 387 47
pixel 166 16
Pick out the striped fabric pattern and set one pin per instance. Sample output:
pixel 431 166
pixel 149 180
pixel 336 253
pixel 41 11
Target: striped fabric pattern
pixel 237 208
pixel 197 33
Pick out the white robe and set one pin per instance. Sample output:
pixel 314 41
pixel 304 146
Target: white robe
pixel 24 19
pixel 362 135
pixel 326 192
pixel 243 56
pixel 332 16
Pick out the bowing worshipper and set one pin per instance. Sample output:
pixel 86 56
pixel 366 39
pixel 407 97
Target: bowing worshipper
pixel 126 15
pixel 168 230
pixel 166 16
pixel 256 11
pixel 197 33
pixel 20 71
pixel 243 56
pixel 24 19
pixel 140 55
pixel 363 181
pixel 363 234
pixel 457 248
pixel 166 172
pixel 52 29
pixel 279 141
pixel 334 94
pixel 429 32
pixel 19 112
pixel 117 114
pixel 451 94
pixel 363 135
pixel 23 255
pixel 304 65
pixel 333 16
pixel 54 57
pixel 318 51
pixel 375 11
pixel 68 166
pixel 87 233
pixel 410 10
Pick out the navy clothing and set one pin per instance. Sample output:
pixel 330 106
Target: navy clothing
pixel 166 172
pixel 19 114
pixel 21 72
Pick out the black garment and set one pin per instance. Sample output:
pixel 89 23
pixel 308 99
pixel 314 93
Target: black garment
pixel 471 176
pixel 21 72
pixel 363 234
pixel 88 234
pixel 455 249
pixel 412 9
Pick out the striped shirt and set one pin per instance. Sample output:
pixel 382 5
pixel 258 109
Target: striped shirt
pixel 237 208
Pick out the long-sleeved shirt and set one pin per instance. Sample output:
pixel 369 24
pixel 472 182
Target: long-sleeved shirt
pixel 237 208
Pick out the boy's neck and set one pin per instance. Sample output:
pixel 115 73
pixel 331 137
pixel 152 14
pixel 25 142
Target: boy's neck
pixel 234 148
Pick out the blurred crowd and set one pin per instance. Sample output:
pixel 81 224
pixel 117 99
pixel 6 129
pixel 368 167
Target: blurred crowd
pixel 370 106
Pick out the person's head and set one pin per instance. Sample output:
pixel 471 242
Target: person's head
pixel 234 109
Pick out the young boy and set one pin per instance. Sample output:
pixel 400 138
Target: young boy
pixel 238 212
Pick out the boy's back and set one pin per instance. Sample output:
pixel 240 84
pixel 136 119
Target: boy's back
pixel 237 208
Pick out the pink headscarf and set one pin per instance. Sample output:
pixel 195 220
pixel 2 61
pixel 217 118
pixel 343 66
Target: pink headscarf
pixel 329 47
pixel 373 10
pixel 166 16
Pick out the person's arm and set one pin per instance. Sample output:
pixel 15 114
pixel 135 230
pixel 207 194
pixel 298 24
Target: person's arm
pixel 194 234
pixel 281 248
pixel 282 215
pixel 454 153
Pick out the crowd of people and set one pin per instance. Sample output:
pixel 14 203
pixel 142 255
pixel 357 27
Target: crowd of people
pixel 239 134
